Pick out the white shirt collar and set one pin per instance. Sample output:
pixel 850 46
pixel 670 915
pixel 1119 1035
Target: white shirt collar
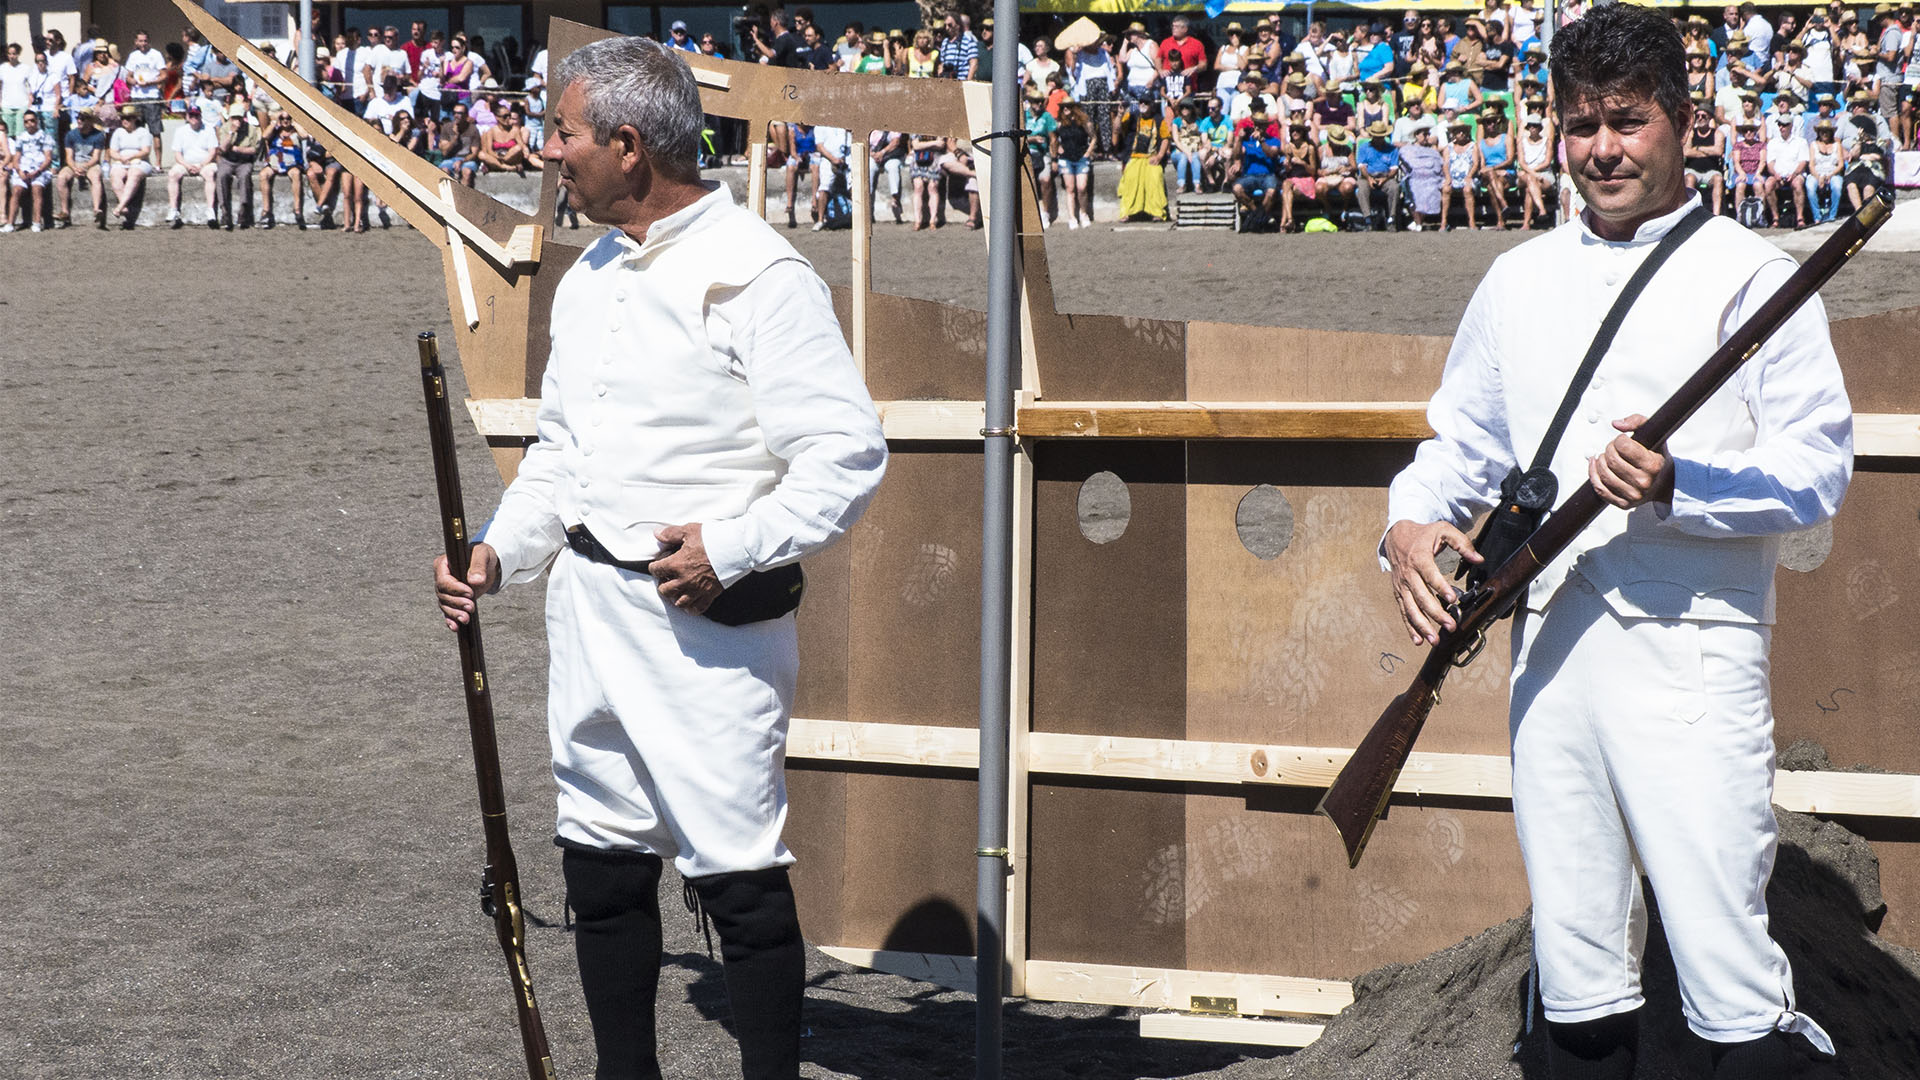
pixel 1649 231
pixel 674 225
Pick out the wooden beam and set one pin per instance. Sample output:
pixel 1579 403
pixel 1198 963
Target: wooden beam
pixel 884 744
pixel 1886 434
pixel 1103 984
pixel 1478 776
pixel 757 167
pixel 952 972
pixel 1247 1030
pixel 1164 988
pixel 1020 719
pixel 1224 420
pixel 1875 434
pixel 861 271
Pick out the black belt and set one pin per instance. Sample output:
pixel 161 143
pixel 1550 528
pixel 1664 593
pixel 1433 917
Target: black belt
pixel 585 543
pixel 761 595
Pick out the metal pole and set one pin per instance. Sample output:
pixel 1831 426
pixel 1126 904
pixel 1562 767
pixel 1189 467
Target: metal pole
pixel 1547 25
pixel 996 541
pixel 305 30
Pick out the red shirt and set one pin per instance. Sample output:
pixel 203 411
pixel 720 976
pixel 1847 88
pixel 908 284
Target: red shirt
pixel 1192 53
pixel 413 49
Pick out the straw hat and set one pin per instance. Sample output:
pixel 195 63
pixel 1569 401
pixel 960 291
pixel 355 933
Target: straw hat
pixel 1379 129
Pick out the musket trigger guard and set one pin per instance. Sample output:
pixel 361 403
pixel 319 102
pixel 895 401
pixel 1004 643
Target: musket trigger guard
pixel 1462 659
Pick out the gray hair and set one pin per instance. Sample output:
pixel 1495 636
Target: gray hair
pixel 638 82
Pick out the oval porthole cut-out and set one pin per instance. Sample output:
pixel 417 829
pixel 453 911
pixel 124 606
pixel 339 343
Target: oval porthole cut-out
pixel 1805 550
pixel 1264 520
pixel 1105 508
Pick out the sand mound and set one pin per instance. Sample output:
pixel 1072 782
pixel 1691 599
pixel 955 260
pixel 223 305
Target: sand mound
pixel 1460 1014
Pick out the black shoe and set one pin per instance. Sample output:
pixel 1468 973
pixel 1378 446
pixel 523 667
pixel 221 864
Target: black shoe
pixel 326 222
pixel 177 223
pixel 228 226
pixel 268 224
pixel 213 223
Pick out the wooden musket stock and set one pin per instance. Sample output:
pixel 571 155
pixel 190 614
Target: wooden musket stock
pixel 1358 797
pixel 500 881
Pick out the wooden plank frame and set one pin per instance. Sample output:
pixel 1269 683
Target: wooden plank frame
pixel 501 268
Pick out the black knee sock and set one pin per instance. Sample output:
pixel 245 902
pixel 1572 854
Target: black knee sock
pixel 765 965
pixel 615 896
pixel 1602 1049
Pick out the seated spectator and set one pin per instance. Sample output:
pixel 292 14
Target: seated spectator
pixel 505 147
pixel 130 155
pixel 1537 172
pixel 1871 159
pixel 1219 136
pixel 323 178
pixel 1338 179
pixel 1300 170
pixel 1749 163
pixel 1189 146
pixel 804 161
pixel 283 155
pixel 1787 158
pixel 957 165
pixel 1496 160
pixel 233 169
pixel 1706 155
pixel 194 148
pixel 1073 146
pixel 1426 177
pixel 34 160
pixel 86 159
pixel 1379 175
pixel 1457 91
pixel 1330 111
pixel 1463 168
pixel 1826 162
pixel 411 134
pixel 1412 122
pixel 459 147
pixel 929 211
pixel 1372 106
pixel 1143 181
pixel 1258 151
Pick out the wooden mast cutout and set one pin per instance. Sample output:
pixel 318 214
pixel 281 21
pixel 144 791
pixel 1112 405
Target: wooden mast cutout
pixel 1294 403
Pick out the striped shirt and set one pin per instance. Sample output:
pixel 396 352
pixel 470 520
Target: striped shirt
pixel 956 56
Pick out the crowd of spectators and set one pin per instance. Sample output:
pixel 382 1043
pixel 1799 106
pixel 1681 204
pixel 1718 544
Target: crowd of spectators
pixel 1434 120
pixel 84 116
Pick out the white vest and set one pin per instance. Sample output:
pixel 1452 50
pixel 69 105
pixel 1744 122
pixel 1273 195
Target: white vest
pixel 1643 566
pixel 662 427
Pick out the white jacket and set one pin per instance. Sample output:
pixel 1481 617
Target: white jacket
pixel 698 377
pixel 1771 452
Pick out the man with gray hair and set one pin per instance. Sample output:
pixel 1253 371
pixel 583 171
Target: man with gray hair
pixel 702 427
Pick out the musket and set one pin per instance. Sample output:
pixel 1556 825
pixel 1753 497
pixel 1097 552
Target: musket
pixel 500 880
pixel 1358 797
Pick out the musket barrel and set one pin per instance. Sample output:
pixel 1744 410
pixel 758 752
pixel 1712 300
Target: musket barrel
pixel 501 878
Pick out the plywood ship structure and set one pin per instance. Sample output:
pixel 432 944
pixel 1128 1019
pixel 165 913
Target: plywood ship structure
pixel 1200 629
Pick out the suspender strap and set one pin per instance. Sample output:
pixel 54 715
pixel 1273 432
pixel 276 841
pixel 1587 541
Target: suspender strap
pixel 1602 341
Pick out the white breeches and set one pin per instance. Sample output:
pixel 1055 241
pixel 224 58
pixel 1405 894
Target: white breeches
pixel 669 730
pixel 1647 745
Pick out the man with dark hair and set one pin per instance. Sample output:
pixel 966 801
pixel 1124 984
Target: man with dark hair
pixel 701 423
pixel 1667 772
